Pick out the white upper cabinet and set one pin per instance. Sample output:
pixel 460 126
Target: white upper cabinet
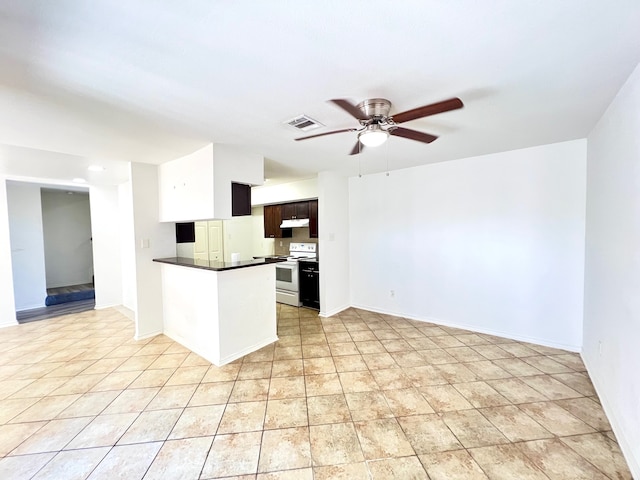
pixel 198 186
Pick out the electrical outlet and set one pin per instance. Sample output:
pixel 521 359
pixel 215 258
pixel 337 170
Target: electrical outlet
pixel 280 242
pixel 392 293
pixel 600 348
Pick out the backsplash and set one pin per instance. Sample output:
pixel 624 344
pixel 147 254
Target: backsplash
pixel 300 235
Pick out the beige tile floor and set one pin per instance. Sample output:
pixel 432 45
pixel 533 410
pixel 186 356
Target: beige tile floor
pixel 355 396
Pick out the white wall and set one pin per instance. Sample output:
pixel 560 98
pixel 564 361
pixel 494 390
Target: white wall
pixel 285 192
pixel 198 186
pixel 612 268
pixel 27 245
pixel 221 316
pixel 66 223
pixel 127 246
pixel 7 302
pixel 107 260
pixel 185 187
pixel 152 240
pixel 261 246
pixel 492 243
pixel 245 235
pixel 238 237
pixel 233 165
pixel 333 242
pixel 185 249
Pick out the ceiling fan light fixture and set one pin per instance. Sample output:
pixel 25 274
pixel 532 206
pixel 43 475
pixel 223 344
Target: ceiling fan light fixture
pixel 373 136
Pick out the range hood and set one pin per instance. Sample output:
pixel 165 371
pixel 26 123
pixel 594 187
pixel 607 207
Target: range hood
pixel 297 223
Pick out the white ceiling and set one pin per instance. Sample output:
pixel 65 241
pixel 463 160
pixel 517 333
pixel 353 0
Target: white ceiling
pixel 150 80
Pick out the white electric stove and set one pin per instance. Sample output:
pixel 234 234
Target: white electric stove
pixel 287 280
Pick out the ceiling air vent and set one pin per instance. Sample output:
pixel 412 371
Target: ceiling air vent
pixel 304 123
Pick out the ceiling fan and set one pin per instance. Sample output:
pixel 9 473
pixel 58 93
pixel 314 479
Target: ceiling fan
pixel 376 124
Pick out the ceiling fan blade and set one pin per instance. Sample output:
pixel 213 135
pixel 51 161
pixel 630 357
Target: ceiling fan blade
pixel 350 108
pixel 326 133
pixel 357 148
pixel 412 135
pixel 434 108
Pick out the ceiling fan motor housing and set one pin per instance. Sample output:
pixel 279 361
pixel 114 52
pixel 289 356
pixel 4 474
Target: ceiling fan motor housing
pixel 375 107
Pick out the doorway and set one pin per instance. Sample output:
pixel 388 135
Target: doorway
pixel 51 251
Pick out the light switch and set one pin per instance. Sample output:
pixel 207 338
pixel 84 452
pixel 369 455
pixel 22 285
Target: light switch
pixel 144 243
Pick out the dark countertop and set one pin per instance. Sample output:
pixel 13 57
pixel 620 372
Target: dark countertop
pixel 215 265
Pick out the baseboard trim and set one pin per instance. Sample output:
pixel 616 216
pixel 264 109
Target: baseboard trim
pixel 103 307
pixel 335 311
pixel 127 312
pixel 148 335
pixel 9 324
pixel 30 307
pixel 616 425
pixel 248 350
pixel 221 361
pixel 473 328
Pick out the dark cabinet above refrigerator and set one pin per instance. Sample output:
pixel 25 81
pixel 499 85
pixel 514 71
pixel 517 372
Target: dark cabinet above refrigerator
pixel 240 199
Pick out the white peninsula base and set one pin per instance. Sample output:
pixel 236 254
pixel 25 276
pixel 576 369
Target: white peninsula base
pixel 220 315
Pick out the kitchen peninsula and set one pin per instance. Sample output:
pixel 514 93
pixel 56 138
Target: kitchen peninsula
pixel 219 310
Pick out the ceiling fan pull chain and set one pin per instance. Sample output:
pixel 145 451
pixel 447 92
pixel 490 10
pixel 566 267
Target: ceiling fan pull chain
pixel 386 154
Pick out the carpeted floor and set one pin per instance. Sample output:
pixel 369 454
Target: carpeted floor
pixel 70 289
pixel 53 311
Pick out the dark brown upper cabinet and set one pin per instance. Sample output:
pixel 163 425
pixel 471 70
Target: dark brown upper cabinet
pixel 295 210
pixel 313 218
pixel 272 221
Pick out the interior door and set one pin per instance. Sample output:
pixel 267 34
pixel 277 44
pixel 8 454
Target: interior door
pixel 216 245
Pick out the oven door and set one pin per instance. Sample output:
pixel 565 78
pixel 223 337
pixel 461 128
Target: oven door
pixel 287 276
